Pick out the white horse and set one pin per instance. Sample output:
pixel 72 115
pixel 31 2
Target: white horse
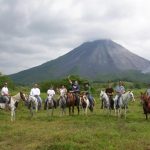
pixel 122 102
pixel 32 103
pixel 85 104
pixel 50 105
pixel 63 104
pixel 105 100
pixel 14 100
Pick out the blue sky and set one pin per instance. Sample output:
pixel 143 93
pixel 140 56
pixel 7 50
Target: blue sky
pixel 35 31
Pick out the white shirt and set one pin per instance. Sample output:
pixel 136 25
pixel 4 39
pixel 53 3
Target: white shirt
pixel 51 92
pixel 35 91
pixel 63 91
pixel 4 91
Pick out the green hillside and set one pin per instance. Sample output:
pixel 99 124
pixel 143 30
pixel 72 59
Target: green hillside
pixel 97 131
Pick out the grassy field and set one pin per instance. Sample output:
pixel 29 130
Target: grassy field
pixel 97 131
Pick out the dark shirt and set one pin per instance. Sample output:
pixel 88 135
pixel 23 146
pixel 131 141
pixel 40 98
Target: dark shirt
pixel 88 90
pixel 75 88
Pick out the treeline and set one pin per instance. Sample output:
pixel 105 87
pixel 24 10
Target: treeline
pixel 44 86
pixel 95 85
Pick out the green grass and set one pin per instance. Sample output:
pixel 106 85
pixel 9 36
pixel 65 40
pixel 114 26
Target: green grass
pixel 97 131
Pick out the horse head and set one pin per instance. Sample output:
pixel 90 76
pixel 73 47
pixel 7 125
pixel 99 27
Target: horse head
pixel 102 93
pixel 144 97
pixel 131 95
pixel 50 99
pixel 23 96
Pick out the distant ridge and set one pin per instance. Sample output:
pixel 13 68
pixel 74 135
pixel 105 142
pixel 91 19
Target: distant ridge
pixel 89 60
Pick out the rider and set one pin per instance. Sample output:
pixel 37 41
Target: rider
pixel 5 94
pixel 75 88
pixel 63 91
pixel 50 92
pixel 109 91
pixel 35 91
pixel 119 90
pixel 87 89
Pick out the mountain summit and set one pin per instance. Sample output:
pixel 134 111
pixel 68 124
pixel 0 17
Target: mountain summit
pixel 88 60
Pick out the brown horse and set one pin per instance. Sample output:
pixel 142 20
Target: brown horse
pixel 146 103
pixel 72 100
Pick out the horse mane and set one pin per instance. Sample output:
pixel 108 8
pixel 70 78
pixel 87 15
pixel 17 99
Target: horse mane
pixel 22 96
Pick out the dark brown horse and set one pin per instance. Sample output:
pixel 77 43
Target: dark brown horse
pixel 146 103
pixel 72 101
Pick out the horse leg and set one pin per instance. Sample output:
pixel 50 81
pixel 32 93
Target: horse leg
pixel 115 111
pixel 52 111
pixel 31 111
pixel 47 108
pixel 102 104
pixel 119 112
pixel 64 110
pixel 69 110
pixel 146 115
pixel 73 110
pixel 61 112
pixel 86 110
pixel 36 107
pixel 12 114
pixel 78 109
pixel 125 111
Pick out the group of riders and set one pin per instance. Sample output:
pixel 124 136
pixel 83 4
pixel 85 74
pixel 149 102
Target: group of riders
pixel 75 89
pixel 35 91
pixel 119 90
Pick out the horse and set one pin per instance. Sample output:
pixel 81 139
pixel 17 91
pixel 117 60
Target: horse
pixel 122 102
pixel 106 101
pixel 32 103
pixel 62 104
pixel 50 105
pixel 85 103
pixel 72 100
pixel 146 104
pixel 13 104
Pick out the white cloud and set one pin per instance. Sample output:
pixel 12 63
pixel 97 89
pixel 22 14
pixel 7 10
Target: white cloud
pixel 37 31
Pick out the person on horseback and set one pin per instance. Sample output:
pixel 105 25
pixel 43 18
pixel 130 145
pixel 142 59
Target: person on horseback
pixel 63 91
pixel 110 91
pixel 5 94
pixel 87 89
pixel 75 88
pixel 119 90
pixel 50 92
pixel 35 91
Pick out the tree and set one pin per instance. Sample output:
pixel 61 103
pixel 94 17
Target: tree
pixel 5 78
